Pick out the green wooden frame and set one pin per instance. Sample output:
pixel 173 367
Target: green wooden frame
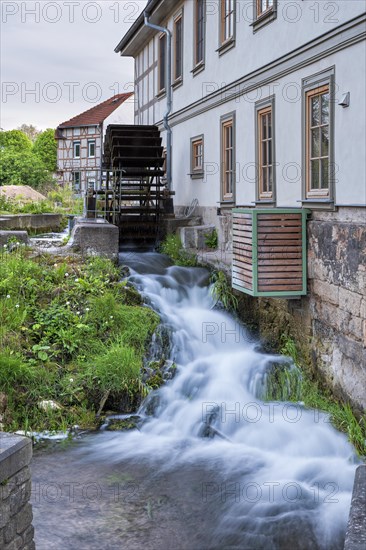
pixel 275 294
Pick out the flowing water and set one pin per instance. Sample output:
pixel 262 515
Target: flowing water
pixel 212 466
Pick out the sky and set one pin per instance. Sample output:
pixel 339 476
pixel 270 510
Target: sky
pixel 58 59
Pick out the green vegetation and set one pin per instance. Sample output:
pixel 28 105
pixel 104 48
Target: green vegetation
pixel 172 247
pixel 212 239
pixel 293 383
pixel 73 337
pixel 60 200
pixel 25 163
pixel 222 292
pixel 45 148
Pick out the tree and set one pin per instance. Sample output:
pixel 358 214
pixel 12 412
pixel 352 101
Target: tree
pixel 30 131
pixel 15 140
pixel 45 147
pixel 22 168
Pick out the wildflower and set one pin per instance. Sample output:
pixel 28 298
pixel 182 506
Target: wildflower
pixel 76 280
pixel 71 379
pixel 16 305
pixel 111 317
pixel 87 309
pixel 66 274
pixel 8 296
pixel 67 303
pixel 5 246
pixel 54 265
pixel 78 313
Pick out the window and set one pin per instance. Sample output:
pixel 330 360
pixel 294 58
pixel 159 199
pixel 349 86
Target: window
pixel 200 31
pixel 76 149
pixel 317 142
pixel 162 62
pixel 197 157
pixel 264 6
pixel 227 21
pixel 265 11
pixel 76 181
pixel 91 148
pixel 227 158
pixel 178 48
pixel 265 150
pixel 318 166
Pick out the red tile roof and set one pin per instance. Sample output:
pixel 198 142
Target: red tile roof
pixel 97 114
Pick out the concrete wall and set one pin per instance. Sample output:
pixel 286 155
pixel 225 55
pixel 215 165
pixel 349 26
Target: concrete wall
pixel 33 222
pixel 16 530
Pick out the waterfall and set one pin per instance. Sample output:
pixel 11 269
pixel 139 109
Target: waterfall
pixel 278 475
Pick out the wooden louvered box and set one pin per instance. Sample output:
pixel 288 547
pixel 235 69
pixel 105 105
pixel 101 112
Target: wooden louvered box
pixel 269 251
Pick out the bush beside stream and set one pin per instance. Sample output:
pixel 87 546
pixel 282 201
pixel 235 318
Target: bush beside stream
pixel 73 336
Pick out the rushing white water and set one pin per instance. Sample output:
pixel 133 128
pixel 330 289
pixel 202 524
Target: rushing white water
pixel 278 472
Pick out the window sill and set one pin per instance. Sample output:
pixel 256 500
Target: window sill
pixel 197 175
pixel 263 20
pixel 161 94
pixel 198 68
pixel 265 202
pixel 318 204
pixel 226 46
pixel 227 204
pixel 177 83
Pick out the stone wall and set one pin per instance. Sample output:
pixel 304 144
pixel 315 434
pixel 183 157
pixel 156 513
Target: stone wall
pixel 16 530
pixel 95 238
pixel 329 324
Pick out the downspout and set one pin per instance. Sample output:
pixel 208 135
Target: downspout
pixel 168 88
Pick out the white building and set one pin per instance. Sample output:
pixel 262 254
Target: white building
pixel 80 142
pixel 268 112
pixel 238 66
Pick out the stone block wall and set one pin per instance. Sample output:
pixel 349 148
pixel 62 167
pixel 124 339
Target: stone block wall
pixel 337 299
pixel 16 530
pixel 329 324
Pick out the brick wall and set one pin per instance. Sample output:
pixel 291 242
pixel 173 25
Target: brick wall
pixel 16 530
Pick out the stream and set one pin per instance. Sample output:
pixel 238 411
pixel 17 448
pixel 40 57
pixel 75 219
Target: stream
pixel 212 467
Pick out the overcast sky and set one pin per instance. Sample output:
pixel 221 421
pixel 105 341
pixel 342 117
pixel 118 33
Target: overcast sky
pixel 58 60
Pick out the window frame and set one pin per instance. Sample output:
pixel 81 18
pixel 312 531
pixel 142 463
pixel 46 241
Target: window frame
pixel 261 108
pixel 262 18
pixel 162 65
pixel 178 79
pixel 226 44
pixel 91 142
pixel 197 172
pixel 76 143
pixel 199 64
pixel 73 182
pixel 310 87
pixel 225 121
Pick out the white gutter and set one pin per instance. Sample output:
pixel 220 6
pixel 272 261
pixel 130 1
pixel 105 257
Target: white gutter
pixel 168 89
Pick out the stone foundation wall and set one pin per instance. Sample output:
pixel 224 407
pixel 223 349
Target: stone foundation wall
pixel 16 530
pixel 329 324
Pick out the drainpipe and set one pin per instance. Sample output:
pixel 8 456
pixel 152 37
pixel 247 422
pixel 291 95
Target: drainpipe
pixel 168 88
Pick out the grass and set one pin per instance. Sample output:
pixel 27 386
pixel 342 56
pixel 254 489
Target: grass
pixel 293 383
pixel 70 330
pixel 172 247
pixel 59 200
pixel 222 292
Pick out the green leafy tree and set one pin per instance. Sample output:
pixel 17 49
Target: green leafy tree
pixel 15 140
pixel 30 131
pixel 22 168
pixel 45 148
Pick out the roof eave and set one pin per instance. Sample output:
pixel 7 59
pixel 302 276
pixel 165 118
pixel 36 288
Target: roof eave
pixel 137 36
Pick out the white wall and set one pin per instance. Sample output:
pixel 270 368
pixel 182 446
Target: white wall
pixel 298 22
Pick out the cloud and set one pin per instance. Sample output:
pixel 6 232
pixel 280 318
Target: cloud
pixel 77 47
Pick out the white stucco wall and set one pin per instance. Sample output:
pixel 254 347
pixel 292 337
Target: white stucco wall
pixel 305 21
